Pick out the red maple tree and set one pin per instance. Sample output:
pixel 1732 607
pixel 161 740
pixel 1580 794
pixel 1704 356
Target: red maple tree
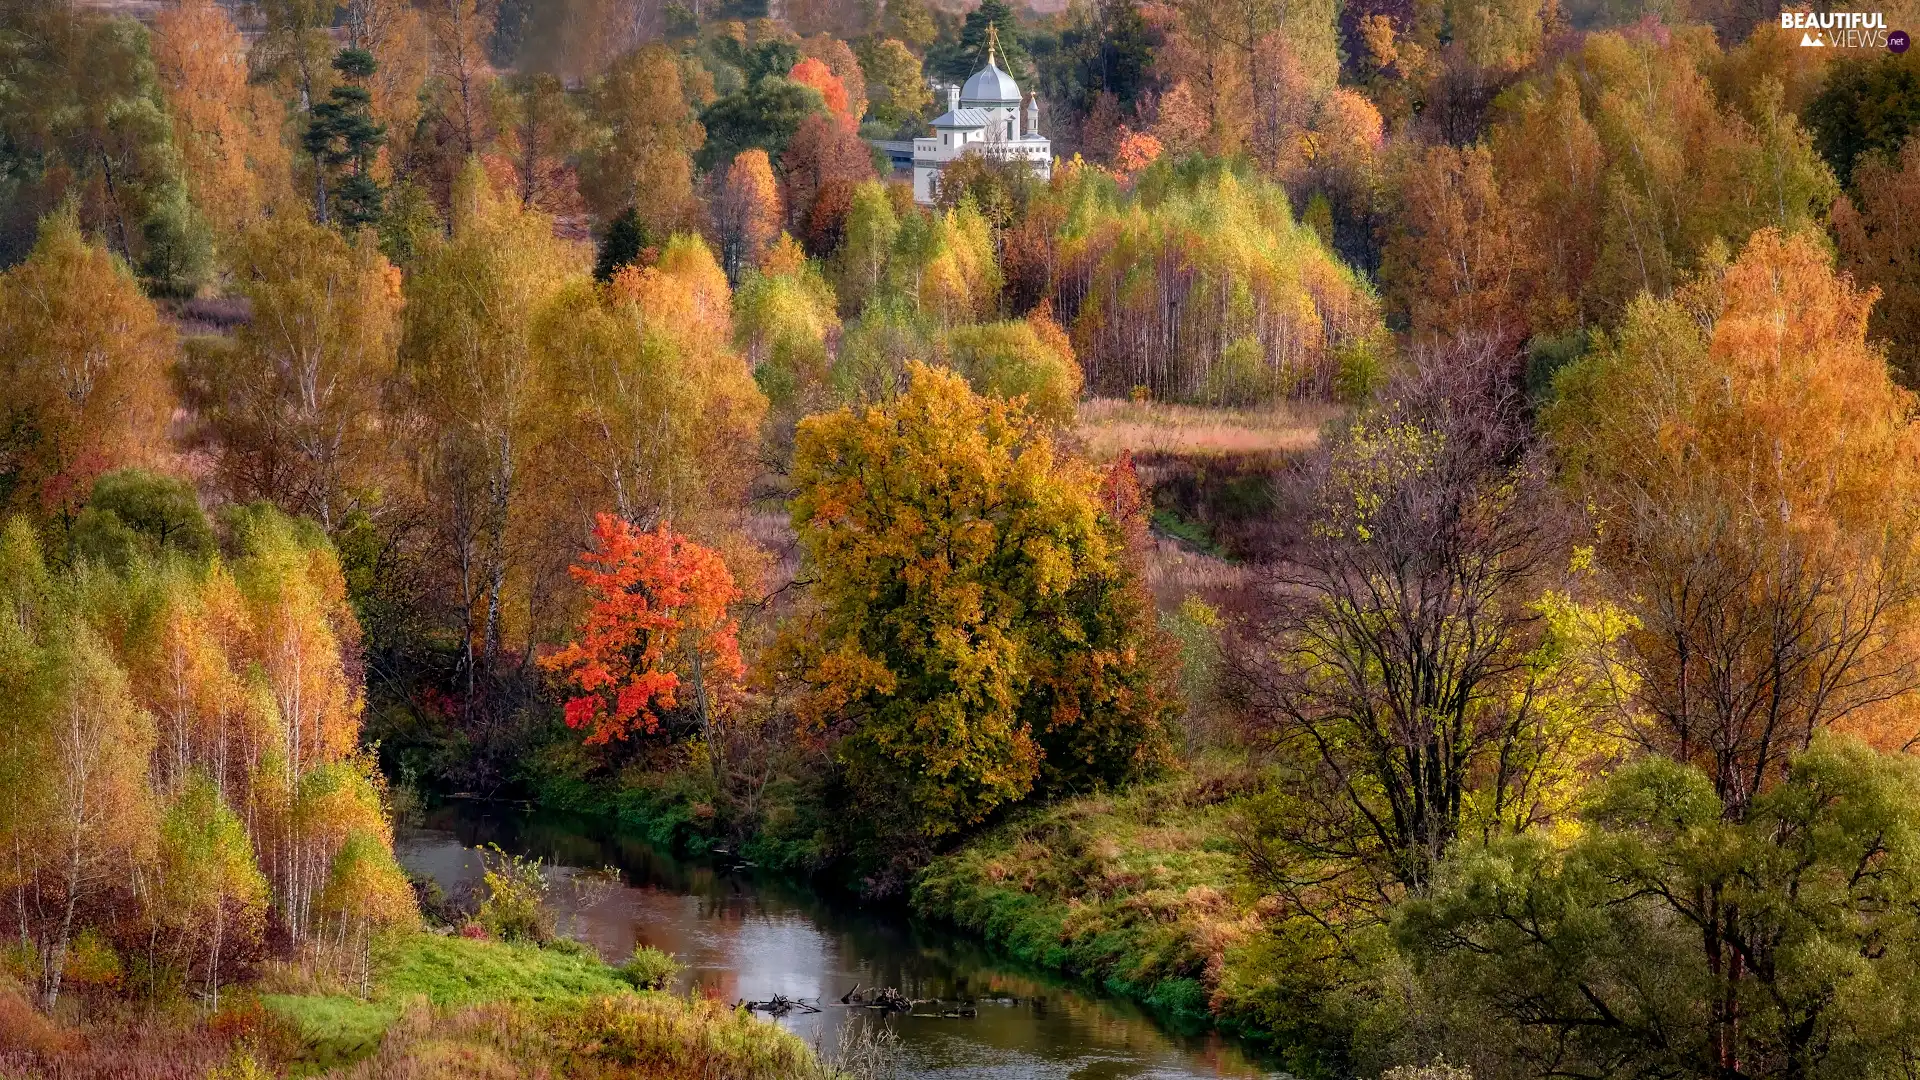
pixel 656 617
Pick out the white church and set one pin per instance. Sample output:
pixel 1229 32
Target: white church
pixel 986 117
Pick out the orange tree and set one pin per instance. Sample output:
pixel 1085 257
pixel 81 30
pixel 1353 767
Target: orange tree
pixel 965 583
pixel 656 619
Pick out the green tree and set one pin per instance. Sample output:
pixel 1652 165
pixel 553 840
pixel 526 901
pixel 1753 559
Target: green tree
pixel 766 114
pixel 622 245
pixel 1868 106
pixel 860 266
pixel 86 122
pixel 343 139
pixel 956 60
pixel 134 513
pixel 212 894
pixel 1428 672
pixel 1029 360
pixel 1672 938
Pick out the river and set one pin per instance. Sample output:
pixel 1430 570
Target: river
pixel 747 937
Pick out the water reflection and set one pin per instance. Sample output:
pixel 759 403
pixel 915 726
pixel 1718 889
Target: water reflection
pixel 743 938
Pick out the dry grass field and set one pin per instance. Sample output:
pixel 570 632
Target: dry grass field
pixel 1110 425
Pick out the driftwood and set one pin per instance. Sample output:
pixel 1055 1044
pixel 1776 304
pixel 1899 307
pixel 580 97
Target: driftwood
pixel 890 1000
pixel 776 1006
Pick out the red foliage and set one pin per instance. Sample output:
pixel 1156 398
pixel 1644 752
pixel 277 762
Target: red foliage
pixel 823 163
pixel 656 601
pixel 1125 504
pixel 811 72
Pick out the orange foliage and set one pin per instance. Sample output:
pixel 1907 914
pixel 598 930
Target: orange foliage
pixel 813 73
pixel 1754 466
pixel 1135 150
pixel 656 601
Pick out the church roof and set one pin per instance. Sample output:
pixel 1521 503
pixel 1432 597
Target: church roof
pixel 963 118
pixel 991 86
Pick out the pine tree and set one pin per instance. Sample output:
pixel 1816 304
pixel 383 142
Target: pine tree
pixel 344 140
pixel 622 246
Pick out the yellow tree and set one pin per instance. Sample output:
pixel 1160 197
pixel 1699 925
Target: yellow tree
pixel 641 152
pixel 1753 469
pixel 747 215
pixel 81 822
pixel 366 889
pixel 83 370
pixel 1625 167
pixel 947 543
pixel 227 130
pixel 294 409
pixel 1456 260
pixel 656 404
pixel 480 386
pixel 395 32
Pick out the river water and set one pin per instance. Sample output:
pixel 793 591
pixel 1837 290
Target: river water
pixel 750 938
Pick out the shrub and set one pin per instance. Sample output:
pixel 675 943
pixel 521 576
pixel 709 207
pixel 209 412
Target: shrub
pixel 515 907
pixel 649 968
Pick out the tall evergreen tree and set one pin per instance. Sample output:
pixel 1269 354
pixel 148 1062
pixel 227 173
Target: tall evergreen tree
pixel 343 138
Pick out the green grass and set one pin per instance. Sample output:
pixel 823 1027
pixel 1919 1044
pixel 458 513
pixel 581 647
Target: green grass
pixel 1134 892
pixel 1194 534
pixel 445 972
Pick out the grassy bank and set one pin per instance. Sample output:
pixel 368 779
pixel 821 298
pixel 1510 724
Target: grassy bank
pixel 435 1007
pixel 1133 892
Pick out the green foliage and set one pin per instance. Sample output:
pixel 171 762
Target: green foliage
pixel 1667 928
pixel 410 225
pixel 343 139
pixel 625 240
pixel 1869 105
pixel 514 907
pixel 650 969
pixel 766 114
pixel 860 266
pixel 1212 258
pixel 134 513
pixel 783 321
pixel 955 60
pixel 179 244
pixel 871 365
pixel 1013 360
pixel 86 122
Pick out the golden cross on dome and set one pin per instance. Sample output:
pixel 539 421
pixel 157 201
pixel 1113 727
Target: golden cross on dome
pixel 993 42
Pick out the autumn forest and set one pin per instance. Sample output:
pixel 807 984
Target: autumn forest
pixel 1399 549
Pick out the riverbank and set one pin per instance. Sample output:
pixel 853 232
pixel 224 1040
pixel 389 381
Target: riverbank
pixel 434 1006
pixel 1141 894
pixel 1133 892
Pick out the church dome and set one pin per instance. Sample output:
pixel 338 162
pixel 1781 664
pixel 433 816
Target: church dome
pixel 990 87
